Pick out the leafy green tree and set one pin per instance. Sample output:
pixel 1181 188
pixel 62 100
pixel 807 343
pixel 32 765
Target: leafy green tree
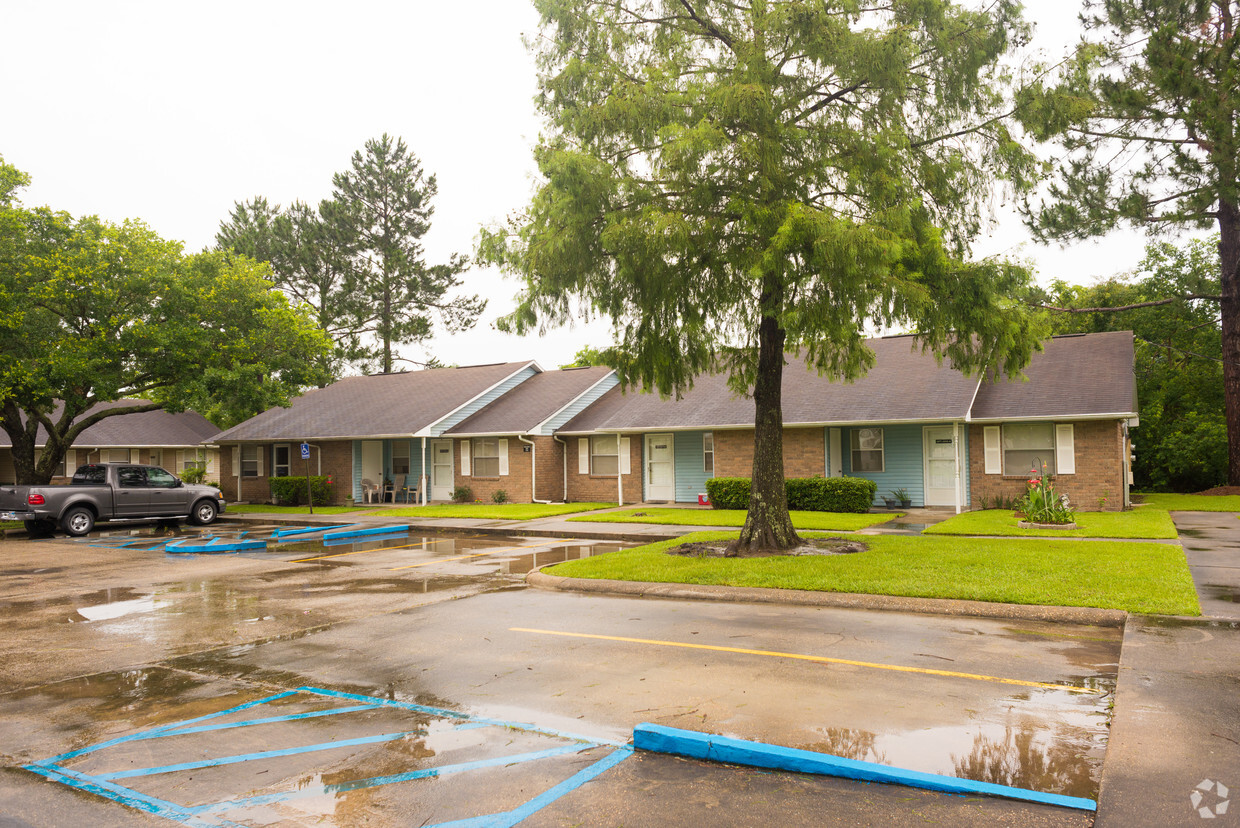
pixel 312 261
pixel 99 312
pixel 1181 443
pixel 384 211
pixel 586 357
pixel 357 259
pixel 732 182
pixel 1149 116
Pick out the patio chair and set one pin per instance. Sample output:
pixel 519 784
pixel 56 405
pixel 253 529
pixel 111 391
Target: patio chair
pixel 394 487
pixel 370 490
pixel 413 494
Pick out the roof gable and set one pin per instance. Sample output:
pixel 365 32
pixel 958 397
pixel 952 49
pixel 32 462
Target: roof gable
pixel 549 396
pixel 381 405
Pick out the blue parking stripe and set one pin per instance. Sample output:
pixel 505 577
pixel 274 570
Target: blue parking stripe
pixel 510 818
pixel 126 796
pixel 146 734
pixel 181 731
pixel 474 720
pixel 376 781
pixel 265 754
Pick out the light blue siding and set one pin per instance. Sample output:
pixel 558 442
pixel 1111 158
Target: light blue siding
pixel 580 404
pixel 690 477
pixel 904 466
pixel 456 417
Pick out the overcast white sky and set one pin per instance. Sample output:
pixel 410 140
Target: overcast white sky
pixel 172 111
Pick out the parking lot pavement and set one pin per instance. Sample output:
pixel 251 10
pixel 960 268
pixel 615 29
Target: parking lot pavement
pixel 1018 703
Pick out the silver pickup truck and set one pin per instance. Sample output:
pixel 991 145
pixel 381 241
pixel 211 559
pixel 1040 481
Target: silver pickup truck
pixel 109 491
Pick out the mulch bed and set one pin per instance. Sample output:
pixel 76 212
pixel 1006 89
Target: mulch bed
pixel 1222 490
pixel 817 546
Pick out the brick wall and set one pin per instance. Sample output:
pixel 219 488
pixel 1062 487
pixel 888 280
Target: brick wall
pixel 804 452
pixel 337 462
pixel 587 488
pixel 1098 446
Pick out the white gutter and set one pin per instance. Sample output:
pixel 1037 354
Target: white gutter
pixel 563 454
pixel 533 470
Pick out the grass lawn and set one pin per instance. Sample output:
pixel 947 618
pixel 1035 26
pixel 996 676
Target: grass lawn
pixel 493 511
pixel 1191 503
pixel 1138 577
pixel 1149 522
pixel 834 521
pixel 250 508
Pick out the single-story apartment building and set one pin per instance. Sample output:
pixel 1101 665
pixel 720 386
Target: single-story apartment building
pixel 912 423
pixel 160 438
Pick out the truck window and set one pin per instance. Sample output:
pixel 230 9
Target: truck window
pixel 131 477
pixel 160 479
pixel 90 476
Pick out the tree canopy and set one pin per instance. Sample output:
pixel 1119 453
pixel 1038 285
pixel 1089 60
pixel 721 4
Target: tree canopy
pixel 732 182
pixel 1181 444
pixel 357 258
pixel 96 312
pixel 1149 118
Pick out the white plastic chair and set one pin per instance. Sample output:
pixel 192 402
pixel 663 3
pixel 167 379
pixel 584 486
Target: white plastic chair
pixel 370 490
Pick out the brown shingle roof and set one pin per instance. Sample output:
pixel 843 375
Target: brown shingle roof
pixel 904 385
pixel 1075 376
pixel 374 406
pixel 147 429
pixel 532 402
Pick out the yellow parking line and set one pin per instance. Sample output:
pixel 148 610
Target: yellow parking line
pixel 823 659
pixel 476 555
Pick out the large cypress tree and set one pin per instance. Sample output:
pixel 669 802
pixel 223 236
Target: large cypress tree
pixel 731 182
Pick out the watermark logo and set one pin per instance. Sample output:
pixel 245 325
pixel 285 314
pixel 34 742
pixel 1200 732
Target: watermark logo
pixel 1209 799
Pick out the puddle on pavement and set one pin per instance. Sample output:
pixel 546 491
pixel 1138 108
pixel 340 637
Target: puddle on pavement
pixel 1020 751
pixel 1221 592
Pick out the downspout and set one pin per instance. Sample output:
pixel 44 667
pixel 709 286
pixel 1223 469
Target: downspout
pixel 956 458
pixel 619 474
pixel 533 470
pixel 563 454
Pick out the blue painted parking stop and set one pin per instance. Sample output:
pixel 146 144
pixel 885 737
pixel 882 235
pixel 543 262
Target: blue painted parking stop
pixel 105 783
pixel 224 540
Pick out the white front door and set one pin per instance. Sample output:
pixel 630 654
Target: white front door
pixel 660 467
pixel 441 470
pixel 940 454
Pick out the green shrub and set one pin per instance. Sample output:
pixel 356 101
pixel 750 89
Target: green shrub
pixel 194 474
pixel 805 494
pixel 728 492
pixel 462 494
pixel 499 496
pixel 292 490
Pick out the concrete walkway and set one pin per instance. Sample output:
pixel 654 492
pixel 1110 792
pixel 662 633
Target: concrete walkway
pixel 1176 727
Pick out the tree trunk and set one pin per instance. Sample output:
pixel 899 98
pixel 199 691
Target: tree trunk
pixel 1229 279
pixel 768 527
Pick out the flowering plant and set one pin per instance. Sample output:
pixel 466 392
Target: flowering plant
pixel 1041 503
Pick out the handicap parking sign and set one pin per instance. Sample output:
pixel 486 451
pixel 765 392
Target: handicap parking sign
pixel 305 451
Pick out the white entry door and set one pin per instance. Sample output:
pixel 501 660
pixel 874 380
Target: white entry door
pixel 940 454
pixel 660 467
pixel 441 470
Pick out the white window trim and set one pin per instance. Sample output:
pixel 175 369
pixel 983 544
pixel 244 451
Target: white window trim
pixel 503 457
pixel 1065 449
pixel 583 455
pixel 882 450
pixel 993 449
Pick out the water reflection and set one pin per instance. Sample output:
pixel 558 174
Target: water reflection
pixel 1026 757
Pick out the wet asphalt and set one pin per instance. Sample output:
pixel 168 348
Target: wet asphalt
pixel 111 638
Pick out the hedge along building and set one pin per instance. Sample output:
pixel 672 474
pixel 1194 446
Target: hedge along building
pixel 395 427
pixel 911 423
pixel 159 438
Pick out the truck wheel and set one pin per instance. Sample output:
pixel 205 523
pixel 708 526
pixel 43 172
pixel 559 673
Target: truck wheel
pixel 204 512
pixel 40 528
pixel 78 521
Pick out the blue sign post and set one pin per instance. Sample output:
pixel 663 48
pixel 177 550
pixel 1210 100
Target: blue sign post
pixel 305 455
